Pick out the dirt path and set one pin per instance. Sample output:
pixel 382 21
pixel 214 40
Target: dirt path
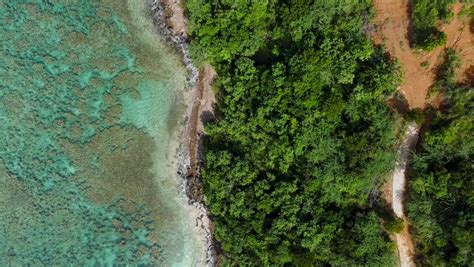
pixel 392 24
pixel 399 181
pixel 392 27
pixel 405 247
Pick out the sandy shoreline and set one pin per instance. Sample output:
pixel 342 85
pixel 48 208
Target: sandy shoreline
pixel 170 22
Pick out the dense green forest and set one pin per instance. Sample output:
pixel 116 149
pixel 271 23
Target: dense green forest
pixel 441 204
pixel 424 22
pixel 303 135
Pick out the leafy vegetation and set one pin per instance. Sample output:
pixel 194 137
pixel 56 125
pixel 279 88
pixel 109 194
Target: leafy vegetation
pixel 395 225
pixel 441 207
pixel 303 136
pixel 424 18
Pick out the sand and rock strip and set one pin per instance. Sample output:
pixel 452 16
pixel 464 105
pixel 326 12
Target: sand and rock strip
pixel 171 23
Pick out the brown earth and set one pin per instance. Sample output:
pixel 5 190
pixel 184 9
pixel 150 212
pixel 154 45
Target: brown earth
pixel 392 27
pixel 386 191
pixel 204 100
pixel 174 14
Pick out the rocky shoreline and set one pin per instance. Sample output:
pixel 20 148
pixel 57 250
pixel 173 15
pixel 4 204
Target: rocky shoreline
pixel 170 23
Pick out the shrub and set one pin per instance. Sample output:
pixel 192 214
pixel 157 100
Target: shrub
pixel 424 19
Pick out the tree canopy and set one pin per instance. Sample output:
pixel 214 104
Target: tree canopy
pixel 303 136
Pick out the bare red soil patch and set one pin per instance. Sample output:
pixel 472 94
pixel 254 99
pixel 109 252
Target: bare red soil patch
pixel 392 28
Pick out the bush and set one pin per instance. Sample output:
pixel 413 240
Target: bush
pixel 394 226
pixel 424 19
pixel 417 115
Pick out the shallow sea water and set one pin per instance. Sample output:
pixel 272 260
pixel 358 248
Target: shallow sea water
pixel 90 105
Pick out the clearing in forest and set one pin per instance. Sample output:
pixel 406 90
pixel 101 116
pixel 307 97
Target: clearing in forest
pixel 419 68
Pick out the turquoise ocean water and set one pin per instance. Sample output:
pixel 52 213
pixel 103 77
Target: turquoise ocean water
pixel 90 101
